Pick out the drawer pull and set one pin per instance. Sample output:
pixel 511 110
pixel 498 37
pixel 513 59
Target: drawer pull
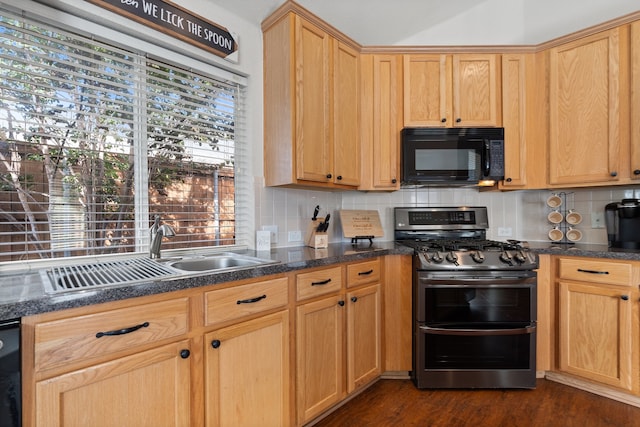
pixel 215 343
pixel 365 273
pixel 123 331
pixel 592 271
pixel 251 300
pixel 324 282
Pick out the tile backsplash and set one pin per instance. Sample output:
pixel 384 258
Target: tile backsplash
pixel 523 213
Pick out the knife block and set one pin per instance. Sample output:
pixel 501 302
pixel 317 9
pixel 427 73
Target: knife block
pixel 314 238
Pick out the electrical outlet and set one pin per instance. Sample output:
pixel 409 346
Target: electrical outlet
pixel 505 232
pixel 295 236
pixel 597 220
pixel 274 232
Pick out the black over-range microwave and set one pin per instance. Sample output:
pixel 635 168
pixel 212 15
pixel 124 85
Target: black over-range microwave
pixel 452 156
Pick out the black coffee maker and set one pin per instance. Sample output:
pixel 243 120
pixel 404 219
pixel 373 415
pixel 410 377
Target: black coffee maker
pixel 623 223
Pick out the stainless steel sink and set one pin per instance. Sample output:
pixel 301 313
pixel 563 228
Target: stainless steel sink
pixel 219 262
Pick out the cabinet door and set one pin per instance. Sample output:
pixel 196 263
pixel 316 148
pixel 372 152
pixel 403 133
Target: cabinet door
pixel 476 90
pixel 345 116
pixel 363 336
pixel 635 100
pixel 386 121
pixel 313 149
pixel 320 360
pixel 595 333
pixel 151 388
pixel 427 91
pixel 584 116
pixel 247 373
pixel 513 115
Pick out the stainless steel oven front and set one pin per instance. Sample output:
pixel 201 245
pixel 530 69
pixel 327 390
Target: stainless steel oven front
pixel 474 329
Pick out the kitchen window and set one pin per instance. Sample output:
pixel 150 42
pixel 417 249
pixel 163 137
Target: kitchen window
pixel 95 139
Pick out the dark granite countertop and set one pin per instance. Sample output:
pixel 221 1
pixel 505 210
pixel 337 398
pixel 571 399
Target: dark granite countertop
pixel 22 293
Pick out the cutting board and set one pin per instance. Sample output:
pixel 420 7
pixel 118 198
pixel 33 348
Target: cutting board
pixel 360 223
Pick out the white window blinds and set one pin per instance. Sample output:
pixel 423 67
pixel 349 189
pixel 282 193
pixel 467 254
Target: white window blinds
pixel 95 140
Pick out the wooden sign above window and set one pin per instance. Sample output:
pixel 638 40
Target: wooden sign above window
pixel 177 22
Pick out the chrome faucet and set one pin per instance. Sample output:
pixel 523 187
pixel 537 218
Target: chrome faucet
pixel 158 231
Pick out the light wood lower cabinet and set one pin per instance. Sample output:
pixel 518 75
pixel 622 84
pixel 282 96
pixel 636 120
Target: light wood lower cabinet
pixel 247 373
pixel 151 388
pixel 330 364
pixel 596 321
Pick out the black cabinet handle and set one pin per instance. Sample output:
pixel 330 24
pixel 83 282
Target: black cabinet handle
pixel 624 297
pixel 122 331
pixel 329 176
pixel 458 120
pixel 185 353
pixel 443 120
pixel 508 180
pixel 339 177
pixel 393 181
pixel 614 174
pixel 592 271
pixel 215 343
pixel 354 299
pixel 324 282
pixel 251 300
pixel 365 273
pixel 636 172
pixel 341 303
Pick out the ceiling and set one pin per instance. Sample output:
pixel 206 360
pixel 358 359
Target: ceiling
pixel 402 22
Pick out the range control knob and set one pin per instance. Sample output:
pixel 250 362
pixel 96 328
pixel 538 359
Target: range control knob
pixel 452 258
pixel 437 258
pixel 506 258
pixel 520 257
pixel 477 256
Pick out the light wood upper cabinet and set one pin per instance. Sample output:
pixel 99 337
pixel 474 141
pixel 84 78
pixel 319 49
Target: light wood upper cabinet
pixel 346 114
pixel 381 121
pixel 311 115
pixel 588 102
pixel 635 100
pixel 452 90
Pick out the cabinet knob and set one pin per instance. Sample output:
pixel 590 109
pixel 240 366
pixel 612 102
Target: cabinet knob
pixel 636 172
pixel 329 176
pixel 624 297
pixel 614 174
pixel 443 120
pixel 215 343
pixel 458 120
pixel 339 177
pixel 185 353
pixel 354 299
pixel 508 180
pixel 341 303
pixel 393 181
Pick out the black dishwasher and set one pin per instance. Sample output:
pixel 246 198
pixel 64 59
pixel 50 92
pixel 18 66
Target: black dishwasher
pixel 10 390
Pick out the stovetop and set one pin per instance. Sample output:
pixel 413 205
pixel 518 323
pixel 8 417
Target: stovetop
pixel 454 238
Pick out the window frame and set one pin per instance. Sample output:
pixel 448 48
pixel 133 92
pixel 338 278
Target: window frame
pixel 110 34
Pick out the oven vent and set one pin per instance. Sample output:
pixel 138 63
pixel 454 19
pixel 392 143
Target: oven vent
pixel 105 273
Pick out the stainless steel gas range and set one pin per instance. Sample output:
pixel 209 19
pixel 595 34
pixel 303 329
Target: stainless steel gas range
pixel 474 301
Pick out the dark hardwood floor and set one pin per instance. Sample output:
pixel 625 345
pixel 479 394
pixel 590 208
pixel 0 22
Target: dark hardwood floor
pixel 399 403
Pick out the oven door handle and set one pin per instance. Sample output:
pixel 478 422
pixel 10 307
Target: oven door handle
pixel 475 282
pixel 478 332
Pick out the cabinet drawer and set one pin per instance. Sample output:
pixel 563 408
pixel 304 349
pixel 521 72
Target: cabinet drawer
pixel 233 303
pixel 363 272
pixel 319 282
pixel 597 271
pixel 67 340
